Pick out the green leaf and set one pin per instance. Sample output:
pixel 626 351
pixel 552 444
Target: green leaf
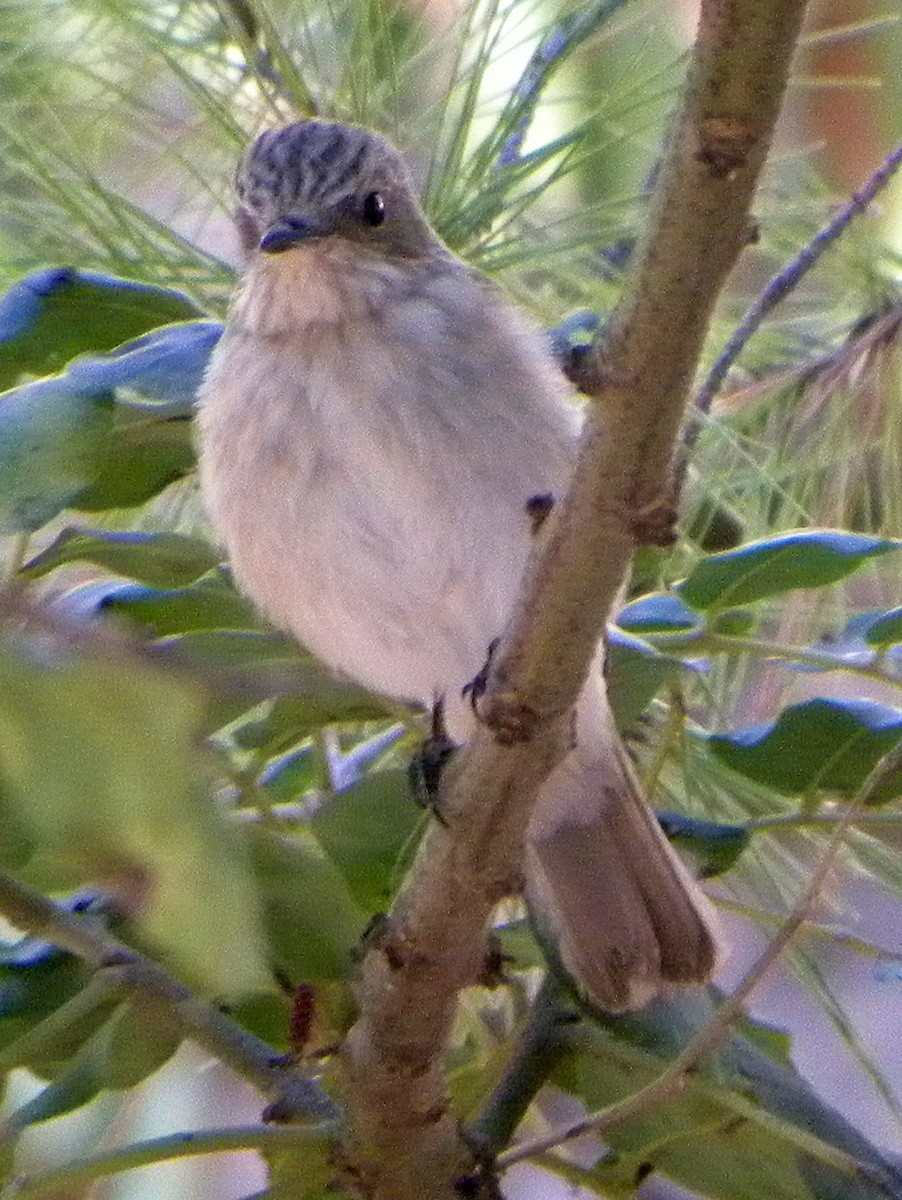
pixel 143 457
pixel 368 831
pixel 49 317
pixel 313 922
pixel 635 671
pixel 133 1044
pixel 101 762
pixel 885 629
pixel 279 665
pixel 748 1125
pixel 273 727
pixel 52 447
pixel 128 1046
pixel 805 559
pixel 209 603
pixel 31 991
pixel 160 559
pixel 289 776
pixel 816 745
pixel 714 847
pixel 265 1014
pixel 660 613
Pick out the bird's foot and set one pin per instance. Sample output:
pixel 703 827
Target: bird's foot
pixel 426 766
pixel 475 689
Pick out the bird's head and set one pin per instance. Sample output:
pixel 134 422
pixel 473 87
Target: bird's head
pixel 318 180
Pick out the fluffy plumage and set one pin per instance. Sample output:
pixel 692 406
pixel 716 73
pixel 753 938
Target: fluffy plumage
pixel 372 425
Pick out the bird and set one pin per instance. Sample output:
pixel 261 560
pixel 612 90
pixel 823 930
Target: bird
pixel 374 428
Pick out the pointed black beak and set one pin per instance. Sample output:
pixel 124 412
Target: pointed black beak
pixel 289 231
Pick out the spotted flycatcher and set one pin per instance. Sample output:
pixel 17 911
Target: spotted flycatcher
pixel 373 424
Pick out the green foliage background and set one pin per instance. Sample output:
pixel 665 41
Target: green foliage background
pixel 247 812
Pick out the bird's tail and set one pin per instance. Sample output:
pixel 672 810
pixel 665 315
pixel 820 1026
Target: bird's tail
pixel 621 911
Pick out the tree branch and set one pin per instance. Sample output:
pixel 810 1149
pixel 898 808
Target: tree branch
pixel 292 1094
pixel 404 1141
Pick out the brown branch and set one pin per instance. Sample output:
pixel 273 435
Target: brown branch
pixel 404 1141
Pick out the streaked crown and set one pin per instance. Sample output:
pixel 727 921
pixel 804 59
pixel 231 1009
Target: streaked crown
pixel 315 166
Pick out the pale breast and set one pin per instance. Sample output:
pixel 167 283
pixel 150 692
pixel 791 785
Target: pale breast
pixel 369 475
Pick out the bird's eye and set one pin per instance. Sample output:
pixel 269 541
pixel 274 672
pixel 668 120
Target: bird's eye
pixel 374 209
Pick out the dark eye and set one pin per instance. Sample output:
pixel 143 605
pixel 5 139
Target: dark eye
pixel 374 209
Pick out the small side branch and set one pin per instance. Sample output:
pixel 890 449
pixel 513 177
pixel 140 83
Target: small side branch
pixel 787 280
pixel 292 1095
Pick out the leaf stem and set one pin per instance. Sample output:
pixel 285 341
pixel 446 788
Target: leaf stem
pixel 805 820
pixel 782 651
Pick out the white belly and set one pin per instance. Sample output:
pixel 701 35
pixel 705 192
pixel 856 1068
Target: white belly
pixel 367 508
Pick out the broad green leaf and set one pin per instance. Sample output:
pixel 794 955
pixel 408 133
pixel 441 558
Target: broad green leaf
pixel 133 1044
pixel 635 671
pixel 816 745
pixel 128 1046
pixel 52 447
pixel 59 441
pixel 714 847
pixel 155 375
pixel 49 317
pixel 273 727
pixel 884 629
pixel 313 921
pixel 100 759
pixel 31 991
pixel 143 457
pixel 159 559
pixel 289 776
pixel 209 603
pixel 369 832
pixel 273 663
pixel 16 837
pixel 661 613
pixel 805 559
pixel 265 1014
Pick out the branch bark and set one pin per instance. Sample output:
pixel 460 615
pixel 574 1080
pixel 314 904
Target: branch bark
pixel 404 1142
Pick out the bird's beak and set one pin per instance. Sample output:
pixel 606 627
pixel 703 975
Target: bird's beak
pixel 290 231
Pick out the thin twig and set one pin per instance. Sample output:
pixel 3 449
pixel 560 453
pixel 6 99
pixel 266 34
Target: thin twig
pixel 160 1149
pixel 675 1078
pixel 803 820
pixel 538 1049
pixel 293 1095
pixel 785 281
